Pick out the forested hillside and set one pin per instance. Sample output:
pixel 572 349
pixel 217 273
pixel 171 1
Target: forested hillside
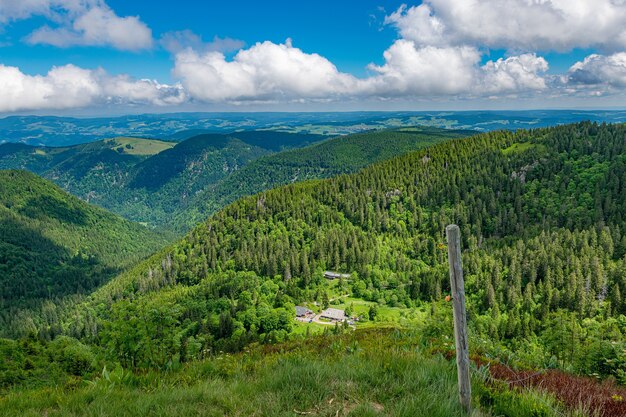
pixel 53 244
pixel 342 155
pixel 542 214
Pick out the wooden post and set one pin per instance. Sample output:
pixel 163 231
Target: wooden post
pixel 457 285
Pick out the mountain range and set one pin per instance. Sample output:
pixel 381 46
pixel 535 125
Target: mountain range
pixel 64 131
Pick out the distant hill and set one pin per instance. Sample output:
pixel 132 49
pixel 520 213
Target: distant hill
pixel 147 180
pixel 65 131
pixel 53 244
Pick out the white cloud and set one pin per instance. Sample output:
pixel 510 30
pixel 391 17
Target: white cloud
pixel 51 9
pixel 429 70
pixel 63 87
pixel 266 71
pixel 73 87
pixel 270 72
pixel 124 89
pixel 514 74
pixel 175 42
pixel 419 25
pixel 528 25
pixel 599 71
pixel 79 22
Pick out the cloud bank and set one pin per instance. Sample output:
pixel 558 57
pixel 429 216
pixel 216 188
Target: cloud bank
pixel 530 25
pixel 69 87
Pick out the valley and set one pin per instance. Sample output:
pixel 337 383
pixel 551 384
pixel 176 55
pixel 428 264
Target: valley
pixel 172 186
pixel 54 245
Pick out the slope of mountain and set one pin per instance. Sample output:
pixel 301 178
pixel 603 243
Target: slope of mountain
pixel 147 180
pixel 53 244
pixel 369 373
pixel 542 214
pixel 330 158
pixel 40 159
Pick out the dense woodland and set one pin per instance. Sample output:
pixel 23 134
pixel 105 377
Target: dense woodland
pixel 53 244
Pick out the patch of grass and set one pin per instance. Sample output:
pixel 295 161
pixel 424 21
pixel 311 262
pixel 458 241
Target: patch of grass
pixel 523 403
pixel 138 146
pixel 300 328
pixel 523 147
pixel 386 314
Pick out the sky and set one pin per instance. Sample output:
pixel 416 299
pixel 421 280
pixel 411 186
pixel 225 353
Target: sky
pixel 119 56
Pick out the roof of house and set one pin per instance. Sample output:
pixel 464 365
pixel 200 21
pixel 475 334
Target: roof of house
pixel 301 311
pixel 334 314
pixel 332 274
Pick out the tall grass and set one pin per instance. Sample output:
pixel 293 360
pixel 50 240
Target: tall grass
pixel 367 373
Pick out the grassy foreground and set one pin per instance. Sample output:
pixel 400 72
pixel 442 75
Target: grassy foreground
pixel 370 372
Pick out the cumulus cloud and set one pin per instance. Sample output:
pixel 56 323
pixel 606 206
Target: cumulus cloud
pixel 412 70
pixel 514 74
pixel 529 25
pixel 428 70
pixel 265 71
pixel 79 22
pixel 98 26
pixel 269 72
pixel 69 86
pixel 599 71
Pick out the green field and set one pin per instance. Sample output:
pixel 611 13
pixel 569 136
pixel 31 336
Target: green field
pixel 385 314
pixel 523 147
pixel 138 146
pixel 300 328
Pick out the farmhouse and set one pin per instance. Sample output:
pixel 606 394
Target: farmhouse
pixel 335 275
pixel 333 314
pixel 303 311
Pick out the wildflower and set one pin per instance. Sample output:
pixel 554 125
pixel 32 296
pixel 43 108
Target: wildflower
pixel 448 298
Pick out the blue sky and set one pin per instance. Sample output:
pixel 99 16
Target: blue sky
pixel 349 33
pixel 67 55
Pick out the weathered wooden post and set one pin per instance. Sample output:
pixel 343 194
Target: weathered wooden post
pixel 457 285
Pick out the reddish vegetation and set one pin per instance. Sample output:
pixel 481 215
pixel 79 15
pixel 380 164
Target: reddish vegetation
pixel 602 399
